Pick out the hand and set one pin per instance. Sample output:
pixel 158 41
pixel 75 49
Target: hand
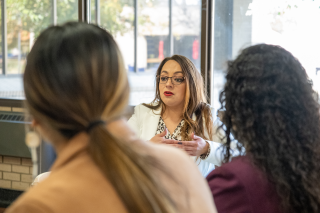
pixel 196 147
pixel 159 138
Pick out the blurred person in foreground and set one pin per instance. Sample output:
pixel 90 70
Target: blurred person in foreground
pixel 76 89
pixel 179 115
pixel 272 110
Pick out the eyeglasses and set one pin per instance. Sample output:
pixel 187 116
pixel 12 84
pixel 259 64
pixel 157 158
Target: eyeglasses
pixel 176 80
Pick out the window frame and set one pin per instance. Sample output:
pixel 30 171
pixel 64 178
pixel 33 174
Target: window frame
pixel 84 15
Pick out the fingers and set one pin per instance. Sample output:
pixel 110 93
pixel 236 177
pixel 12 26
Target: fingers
pixel 188 148
pixel 176 146
pixel 164 133
pixel 189 143
pixel 184 143
pixel 194 137
pixel 170 141
pixel 190 153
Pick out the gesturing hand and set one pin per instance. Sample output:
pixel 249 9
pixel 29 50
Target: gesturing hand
pixel 158 138
pixel 196 147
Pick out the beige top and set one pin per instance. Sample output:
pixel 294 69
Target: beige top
pixel 77 185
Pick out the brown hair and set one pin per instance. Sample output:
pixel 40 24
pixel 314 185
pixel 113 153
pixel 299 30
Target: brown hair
pixel 74 75
pixel 195 100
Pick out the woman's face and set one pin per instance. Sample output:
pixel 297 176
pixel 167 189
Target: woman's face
pixel 172 93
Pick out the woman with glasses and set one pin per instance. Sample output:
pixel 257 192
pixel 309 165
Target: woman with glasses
pixel 179 115
pixel 77 89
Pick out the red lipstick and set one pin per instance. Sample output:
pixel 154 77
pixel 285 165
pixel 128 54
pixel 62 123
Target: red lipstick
pixel 168 93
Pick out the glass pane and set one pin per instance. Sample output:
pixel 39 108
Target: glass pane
pixel 294 25
pixel 186 23
pixel 1 40
pixel 222 42
pixel 67 10
pixel 93 11
pixel 117 17
pixel 25 20
pixel 153 46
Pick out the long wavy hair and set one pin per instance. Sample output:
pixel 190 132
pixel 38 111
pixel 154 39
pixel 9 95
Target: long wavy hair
pixel 195 100
pixel 271 107
pixel 74 75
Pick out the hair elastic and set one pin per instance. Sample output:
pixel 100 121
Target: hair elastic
pixel 94 124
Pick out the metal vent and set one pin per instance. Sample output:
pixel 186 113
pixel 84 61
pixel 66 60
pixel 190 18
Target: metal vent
pixel 12 117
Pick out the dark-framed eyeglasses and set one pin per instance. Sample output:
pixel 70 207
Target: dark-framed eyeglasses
pixel 176 80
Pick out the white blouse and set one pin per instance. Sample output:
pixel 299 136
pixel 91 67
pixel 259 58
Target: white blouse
pixel 145 123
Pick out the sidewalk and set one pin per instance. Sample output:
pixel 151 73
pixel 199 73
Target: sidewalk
pixel 142 87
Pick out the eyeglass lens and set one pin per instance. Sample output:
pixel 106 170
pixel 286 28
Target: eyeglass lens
pixel 175 79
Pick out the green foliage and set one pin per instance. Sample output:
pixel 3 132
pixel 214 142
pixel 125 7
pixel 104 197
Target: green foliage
pixel 117 16
pixel 30 15
pixel 27 16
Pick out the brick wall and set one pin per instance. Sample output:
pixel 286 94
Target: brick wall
pixel 15 173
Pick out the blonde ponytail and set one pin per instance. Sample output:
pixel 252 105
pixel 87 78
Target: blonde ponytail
pixel 131 173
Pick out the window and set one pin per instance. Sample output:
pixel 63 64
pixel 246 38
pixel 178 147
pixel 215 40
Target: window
pixel 24 20
pixel 22 28
pixel 241 23
pixel 153 47
pixel 66 10
pixel 163 28
pixel 146 31
pixel 186 29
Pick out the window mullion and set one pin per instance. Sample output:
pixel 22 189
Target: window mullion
pixel 206 37
pixel 170 29
pixel 4 36
pixel 136 36
pixel 97 6
pixel 54 12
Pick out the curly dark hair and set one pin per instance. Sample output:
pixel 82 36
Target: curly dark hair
pixel 273 112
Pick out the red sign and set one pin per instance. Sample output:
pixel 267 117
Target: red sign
pixel 195 49
pixel 161 56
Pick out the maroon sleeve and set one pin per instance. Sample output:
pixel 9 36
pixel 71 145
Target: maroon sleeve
pixel 229 194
